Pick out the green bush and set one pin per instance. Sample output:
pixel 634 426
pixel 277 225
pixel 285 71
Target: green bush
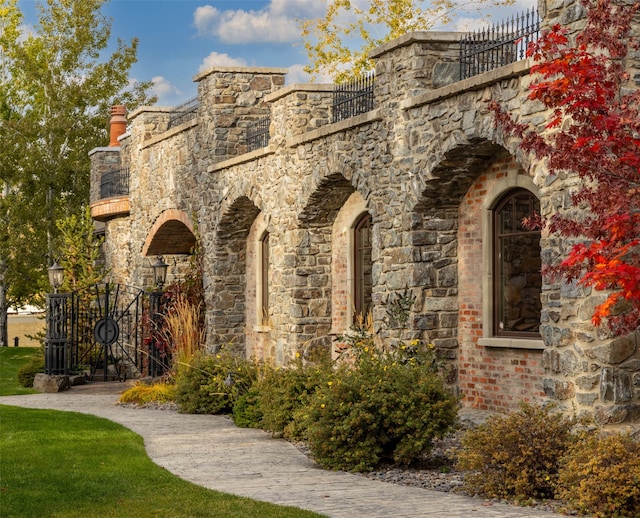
pixel 383 407
pixel 247 412
pixel 516 456
pixel 285 391
pixel 27 373
pixel 212 383
pixel 600 476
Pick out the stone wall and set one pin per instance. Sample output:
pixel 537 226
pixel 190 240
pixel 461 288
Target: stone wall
pixel 426 163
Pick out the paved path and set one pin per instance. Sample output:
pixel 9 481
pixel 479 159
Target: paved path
pixel 212 452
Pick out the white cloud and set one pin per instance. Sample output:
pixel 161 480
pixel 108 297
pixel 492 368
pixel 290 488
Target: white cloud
pixel 276 23
pixel 215 59
pixel 164 90
pixel 297 75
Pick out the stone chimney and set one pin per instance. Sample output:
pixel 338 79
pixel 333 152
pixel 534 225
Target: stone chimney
pixel 118 124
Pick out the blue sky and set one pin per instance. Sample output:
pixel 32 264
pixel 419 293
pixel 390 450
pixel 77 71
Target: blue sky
pixel 178 38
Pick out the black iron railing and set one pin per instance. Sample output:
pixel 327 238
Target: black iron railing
pixel 114 183
pixel 258 134
pixel 183 113
pixel 354 98
pixel 498 45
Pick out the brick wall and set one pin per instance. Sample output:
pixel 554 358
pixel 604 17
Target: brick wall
pixel 490 378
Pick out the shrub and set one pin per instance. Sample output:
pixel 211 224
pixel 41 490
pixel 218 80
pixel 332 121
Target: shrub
pixel 143 393
pixel 285 391
pixel 212 383
pixel 383 407
pixel 516 455
pixel 182 331
pixel 27 373
pixel 600 475
pixel 247 412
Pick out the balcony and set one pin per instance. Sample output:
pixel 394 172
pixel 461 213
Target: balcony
pixel 114 195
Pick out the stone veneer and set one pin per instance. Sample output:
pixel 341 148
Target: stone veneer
pixel 425 163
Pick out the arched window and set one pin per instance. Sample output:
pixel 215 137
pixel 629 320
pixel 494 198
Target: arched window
pixel 362 265
pixel 264 278
pixel 517 277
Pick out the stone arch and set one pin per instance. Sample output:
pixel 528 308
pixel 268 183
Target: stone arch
pixel 227 310
pixel 313 297
pixel 433 236
pixel 325 201
pixel 171 233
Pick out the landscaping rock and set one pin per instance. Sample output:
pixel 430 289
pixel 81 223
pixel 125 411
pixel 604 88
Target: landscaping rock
pixel 48 383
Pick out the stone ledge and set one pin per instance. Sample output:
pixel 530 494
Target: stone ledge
pixel 517 69
pixel 298 87
pixel 240 159
pixel 512 343
pixel 336 127
pixel 170 133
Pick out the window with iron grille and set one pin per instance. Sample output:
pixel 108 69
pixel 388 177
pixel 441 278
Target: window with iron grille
pixel 258 134
pixel 517 263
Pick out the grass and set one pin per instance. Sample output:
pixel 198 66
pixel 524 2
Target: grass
pixel 66 464
pixel 11 359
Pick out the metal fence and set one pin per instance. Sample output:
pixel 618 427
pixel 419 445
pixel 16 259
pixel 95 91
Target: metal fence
pixel 258 134
pixel 498 45
pixel 354 98
pixel 114 183
pixel 183 113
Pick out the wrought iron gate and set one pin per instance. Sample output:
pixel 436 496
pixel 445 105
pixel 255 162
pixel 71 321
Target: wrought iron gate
pixel 104 332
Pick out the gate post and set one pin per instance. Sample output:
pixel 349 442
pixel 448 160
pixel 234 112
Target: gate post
pixel 56 344
pixel 156 365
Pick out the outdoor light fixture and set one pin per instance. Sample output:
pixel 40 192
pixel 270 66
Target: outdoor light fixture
pixel 159 272
pixel 56 276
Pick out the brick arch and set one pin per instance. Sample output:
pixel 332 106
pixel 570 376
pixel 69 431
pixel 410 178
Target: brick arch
pixel 171 233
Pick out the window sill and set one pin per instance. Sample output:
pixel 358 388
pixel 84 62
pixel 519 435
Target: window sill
pixel 512 343
pixel 261 329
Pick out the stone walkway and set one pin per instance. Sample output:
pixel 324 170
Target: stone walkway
pixel 212 452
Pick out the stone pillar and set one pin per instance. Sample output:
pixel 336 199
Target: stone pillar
pixel 103 160
pixel 230 99
pixel 298 109
pixel 414 64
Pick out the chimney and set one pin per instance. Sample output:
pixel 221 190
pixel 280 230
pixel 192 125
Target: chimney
pixel 118 124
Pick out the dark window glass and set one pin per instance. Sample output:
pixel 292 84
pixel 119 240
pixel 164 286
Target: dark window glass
pixel 264 265
pixel 363 281
pixel 517 278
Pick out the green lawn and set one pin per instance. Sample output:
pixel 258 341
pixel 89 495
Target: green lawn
pixel 66 464
pixel 11 359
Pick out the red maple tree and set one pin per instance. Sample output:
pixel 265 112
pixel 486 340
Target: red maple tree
pixel 593 132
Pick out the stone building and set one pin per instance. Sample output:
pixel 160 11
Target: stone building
pixel 417 194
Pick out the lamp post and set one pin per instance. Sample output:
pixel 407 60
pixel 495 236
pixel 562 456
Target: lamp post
pixel 4 331
pixel 57 337
pixel 56 276
pixel 159 272
pixel 156 364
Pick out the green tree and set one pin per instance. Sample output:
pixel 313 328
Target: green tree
pixel 80 251
pixel 339 43
pixel 57 84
